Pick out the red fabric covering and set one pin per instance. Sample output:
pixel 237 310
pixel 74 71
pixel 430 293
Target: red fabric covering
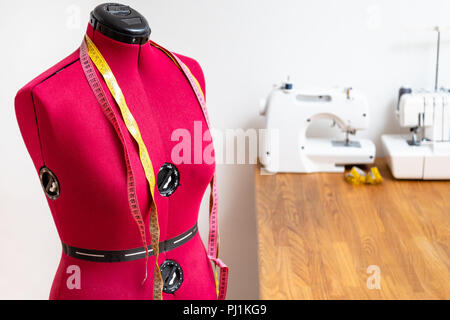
pixel 80 146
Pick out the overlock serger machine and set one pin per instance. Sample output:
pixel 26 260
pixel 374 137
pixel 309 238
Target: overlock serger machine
pixel 284 146
pixel 425 152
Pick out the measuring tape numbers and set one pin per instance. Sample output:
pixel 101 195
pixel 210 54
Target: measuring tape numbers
pixel 89 50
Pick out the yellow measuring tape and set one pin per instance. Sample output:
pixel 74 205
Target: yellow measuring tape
pixel 133 128
pixel 358 176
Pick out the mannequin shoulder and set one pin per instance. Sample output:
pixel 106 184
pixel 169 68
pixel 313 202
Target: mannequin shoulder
pixel 195 68
pixel 26 112
pixel 25 92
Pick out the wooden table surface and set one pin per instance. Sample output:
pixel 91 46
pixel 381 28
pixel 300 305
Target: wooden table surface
pixel 317 235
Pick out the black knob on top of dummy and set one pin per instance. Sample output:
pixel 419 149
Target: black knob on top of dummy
pixel 120 22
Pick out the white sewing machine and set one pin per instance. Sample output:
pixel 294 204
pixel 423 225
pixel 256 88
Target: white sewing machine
pixel 425 153
pixel 285 147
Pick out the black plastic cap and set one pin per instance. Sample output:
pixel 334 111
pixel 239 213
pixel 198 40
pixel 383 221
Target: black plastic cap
pixel 288 86
pixel 121 23
pixel 403 91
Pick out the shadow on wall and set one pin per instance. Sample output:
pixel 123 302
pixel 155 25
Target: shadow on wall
pixel 238 231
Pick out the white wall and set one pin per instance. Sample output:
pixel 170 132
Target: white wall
pixel 244 47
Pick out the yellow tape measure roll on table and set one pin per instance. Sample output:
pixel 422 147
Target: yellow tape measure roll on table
pixel 133 128
pixel 357 176
pixel 374 176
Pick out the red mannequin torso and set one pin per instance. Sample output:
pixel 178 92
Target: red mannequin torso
pixel 65 129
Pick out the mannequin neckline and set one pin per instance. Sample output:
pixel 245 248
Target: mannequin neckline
pixel 114 51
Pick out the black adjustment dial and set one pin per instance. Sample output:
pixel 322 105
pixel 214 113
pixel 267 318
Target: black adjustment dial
pixel 172 275
pixel 49 183
pixel 168 179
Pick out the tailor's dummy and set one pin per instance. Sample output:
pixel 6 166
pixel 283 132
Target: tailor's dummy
pixel 80 160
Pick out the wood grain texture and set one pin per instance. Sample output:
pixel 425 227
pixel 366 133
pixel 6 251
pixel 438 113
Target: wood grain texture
pixel 317 235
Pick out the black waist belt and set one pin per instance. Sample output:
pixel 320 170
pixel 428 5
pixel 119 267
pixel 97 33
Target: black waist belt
pixel 131 254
